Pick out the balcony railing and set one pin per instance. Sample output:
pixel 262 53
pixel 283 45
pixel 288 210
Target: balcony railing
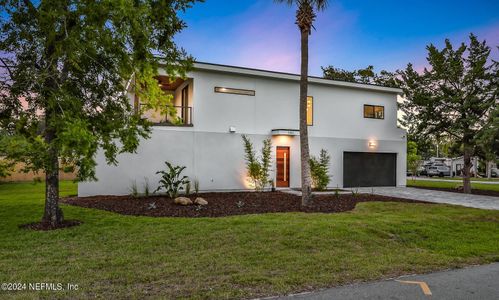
pixel 182 117
pixel 183 114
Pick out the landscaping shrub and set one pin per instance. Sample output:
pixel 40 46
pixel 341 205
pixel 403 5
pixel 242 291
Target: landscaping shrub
pixel 258 167
pixel 171 180
pixel 188 188
pixel 319 169
pixel 196 186
pixel 6 167
pixel 146 187
pixel 134 191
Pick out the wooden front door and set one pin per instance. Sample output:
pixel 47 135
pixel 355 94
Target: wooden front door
pixel 282 161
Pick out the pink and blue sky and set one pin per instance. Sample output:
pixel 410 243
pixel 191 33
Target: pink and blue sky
pixel 350 34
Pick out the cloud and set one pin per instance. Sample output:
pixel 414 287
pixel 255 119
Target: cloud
pixel 266 40
pixel 265 36
pixel 262 34
pixel 275 39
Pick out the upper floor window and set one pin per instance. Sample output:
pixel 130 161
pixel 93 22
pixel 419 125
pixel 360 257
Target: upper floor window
pixel 310 110
pixel 234 91
pixel 374 111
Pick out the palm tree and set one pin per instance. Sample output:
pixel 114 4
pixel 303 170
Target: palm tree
pixel 305 17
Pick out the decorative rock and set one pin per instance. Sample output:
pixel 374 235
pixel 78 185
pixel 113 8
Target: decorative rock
pixel 200 201
pixel 182 201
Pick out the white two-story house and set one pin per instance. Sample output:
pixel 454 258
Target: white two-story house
pixel 355 123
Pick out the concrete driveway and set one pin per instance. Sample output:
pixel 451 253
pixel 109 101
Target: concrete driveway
pixel 476 201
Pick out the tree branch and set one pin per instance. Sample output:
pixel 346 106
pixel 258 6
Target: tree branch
pixel 31 8
pixel 6 66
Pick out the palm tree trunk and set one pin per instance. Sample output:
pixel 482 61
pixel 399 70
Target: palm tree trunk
pixel 306 178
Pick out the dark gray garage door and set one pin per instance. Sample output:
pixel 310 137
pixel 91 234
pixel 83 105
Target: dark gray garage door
pixel 362 169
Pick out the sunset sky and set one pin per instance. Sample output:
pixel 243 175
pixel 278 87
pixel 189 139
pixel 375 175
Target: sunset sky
pixel 350 34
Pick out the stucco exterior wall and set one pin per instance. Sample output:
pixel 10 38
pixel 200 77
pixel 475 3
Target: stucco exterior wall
pixel 338 111
pixel 216 157
pixel 217 160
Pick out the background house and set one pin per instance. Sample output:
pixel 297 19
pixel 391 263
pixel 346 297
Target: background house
pixel 456 164
pixel 355 123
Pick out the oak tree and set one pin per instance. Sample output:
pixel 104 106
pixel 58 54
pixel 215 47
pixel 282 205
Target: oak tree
pixel 457 95
pixel 67 66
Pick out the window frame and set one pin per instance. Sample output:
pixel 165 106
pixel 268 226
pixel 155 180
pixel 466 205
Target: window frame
pixel 234 91
pixel 374 111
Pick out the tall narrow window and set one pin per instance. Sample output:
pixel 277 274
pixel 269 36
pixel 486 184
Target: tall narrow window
pixel 185 105
pixel 310 110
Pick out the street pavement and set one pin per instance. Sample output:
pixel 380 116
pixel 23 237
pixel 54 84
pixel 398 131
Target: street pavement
pixel 479 282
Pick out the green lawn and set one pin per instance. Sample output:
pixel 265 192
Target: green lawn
pixel 447 184
pixel 474 179
pixel 461 179
pixel 114 256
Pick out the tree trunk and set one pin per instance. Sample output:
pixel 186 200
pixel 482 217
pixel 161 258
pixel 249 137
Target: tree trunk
pixel 52 214
pixel 467 170
pixel 306 178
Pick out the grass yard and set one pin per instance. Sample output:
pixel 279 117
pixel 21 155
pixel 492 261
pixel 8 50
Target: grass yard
pixel 115 256
pixel 451 185
pixel 473 179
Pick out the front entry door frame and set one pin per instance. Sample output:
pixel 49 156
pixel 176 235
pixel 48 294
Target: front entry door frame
pixel 282 166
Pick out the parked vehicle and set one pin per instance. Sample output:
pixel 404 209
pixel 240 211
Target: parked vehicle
pixel 494 172
pixel 424 170
pixel 438 170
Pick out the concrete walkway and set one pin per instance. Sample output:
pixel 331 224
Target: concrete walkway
pixel 479 282
pixel 443 179
pixel 476 201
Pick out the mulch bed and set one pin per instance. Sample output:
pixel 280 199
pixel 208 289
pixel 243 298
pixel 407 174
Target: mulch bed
pixel 226 204
pixel 44 226
pixel 317 191
pixel 473 191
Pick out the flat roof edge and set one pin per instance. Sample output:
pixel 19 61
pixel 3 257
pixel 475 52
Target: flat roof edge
pixel 290 76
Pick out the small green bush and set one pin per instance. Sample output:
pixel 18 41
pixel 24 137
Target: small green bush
pixel 171 180
pixel 319 169
pixel 196 186
pixel 134 191
pixel 5 168
pixel 258 167
pixel 188 188
pixel 146 187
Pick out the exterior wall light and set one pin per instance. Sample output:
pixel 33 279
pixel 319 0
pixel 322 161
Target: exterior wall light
pixel 372 144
